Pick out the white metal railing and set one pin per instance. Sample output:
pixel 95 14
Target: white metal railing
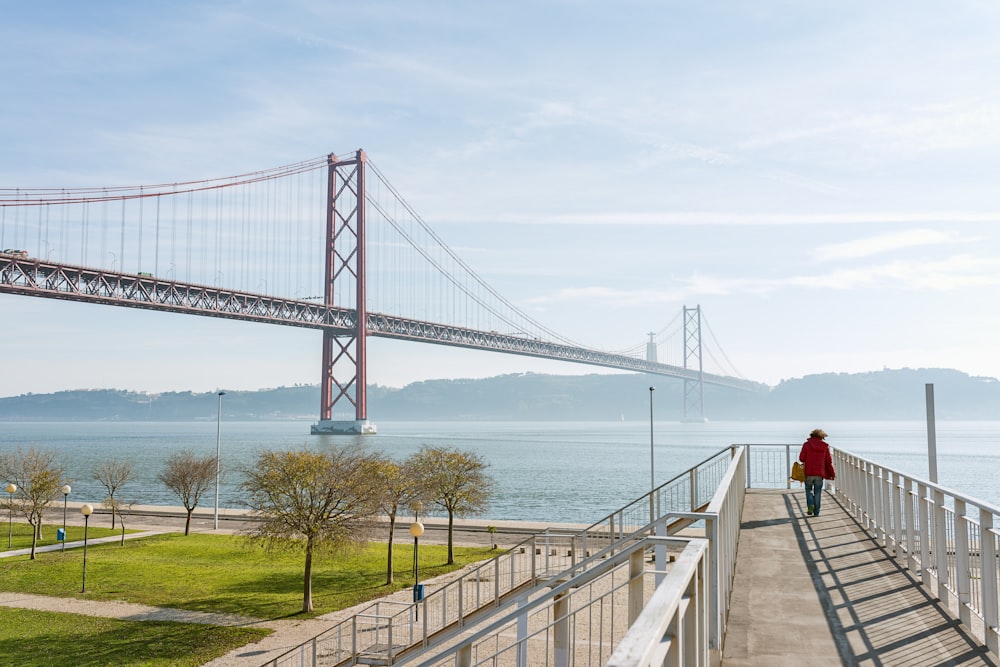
pixel 578 619
pixel 950 540
pixel 380 634
pixel 582 620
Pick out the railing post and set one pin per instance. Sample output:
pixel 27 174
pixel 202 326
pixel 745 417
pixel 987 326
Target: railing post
pixel 522 634
pixel 561 631
pixel 869 495
pixel 636 570
pixel 988 572
pixel 714 573
pixel 897 528
pixel 940 545
pixel 908 523
pixel 882 509
pixel 660 551
pixel 962 562
pixel 925 535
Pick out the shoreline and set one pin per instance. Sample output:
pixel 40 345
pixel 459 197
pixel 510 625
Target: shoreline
pixel 468 531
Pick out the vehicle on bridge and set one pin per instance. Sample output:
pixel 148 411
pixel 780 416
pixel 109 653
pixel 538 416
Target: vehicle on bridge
pixel 14 252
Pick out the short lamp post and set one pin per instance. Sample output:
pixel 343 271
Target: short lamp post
pixel 416 529
pixel 11 488
pixel 86 511
pixel 218 456
pixel 65 491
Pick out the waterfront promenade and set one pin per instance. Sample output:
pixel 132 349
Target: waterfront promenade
pixel 822 586
pixel 803 585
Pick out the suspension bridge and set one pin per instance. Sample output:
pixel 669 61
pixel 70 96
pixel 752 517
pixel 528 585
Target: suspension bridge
pixel 327 244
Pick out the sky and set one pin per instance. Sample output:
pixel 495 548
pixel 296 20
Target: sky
pixel 820 177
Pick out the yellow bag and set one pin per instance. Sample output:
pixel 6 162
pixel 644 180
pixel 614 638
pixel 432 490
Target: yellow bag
pixel 798 472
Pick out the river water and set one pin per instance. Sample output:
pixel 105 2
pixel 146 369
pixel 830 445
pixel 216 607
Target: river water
pixel 544 471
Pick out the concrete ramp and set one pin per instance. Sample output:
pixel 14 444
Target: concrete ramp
pixel 822 587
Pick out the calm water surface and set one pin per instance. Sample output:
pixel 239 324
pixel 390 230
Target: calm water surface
pixel 544 471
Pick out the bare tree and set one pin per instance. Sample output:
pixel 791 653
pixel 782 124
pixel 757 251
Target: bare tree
pixel 124 508
pixel 188 476
pixel 398 490
pixel 112 475
pixel 311 500
pixel 38 474
pixel 454 480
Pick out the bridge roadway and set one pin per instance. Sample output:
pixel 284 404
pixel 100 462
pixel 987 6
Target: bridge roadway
pixel 822 587
pixel 53 280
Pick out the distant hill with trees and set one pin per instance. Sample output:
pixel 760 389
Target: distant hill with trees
pixel 879 395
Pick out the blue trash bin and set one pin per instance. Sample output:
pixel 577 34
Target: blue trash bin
pixel 60 535
pixel 418 592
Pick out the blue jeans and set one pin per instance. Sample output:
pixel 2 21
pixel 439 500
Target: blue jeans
pixel 814 492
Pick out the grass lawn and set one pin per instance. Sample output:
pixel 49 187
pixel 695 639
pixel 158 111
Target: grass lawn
pixel 222 573
pixel 22 534
pixel 31 638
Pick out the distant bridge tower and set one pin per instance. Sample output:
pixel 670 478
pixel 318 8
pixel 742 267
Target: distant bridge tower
pixel 651 348
pixel 344 356
pixel 694 390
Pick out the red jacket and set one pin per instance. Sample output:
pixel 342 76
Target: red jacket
pixel 815 455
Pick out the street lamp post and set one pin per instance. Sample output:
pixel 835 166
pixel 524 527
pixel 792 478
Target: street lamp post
pixel 11 488
pixel 218 456
pixel 652 476
pixel 65 491
pixel 416 529
pixel 86 511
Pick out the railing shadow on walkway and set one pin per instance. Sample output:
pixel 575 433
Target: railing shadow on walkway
pixel 878 613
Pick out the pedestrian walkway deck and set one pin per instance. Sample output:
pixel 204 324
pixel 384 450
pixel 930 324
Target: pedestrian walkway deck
pixel 823 586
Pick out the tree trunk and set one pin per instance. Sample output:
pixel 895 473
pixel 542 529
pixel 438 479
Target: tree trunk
pixel 307 584
pixel 389 574
pixel 34 539
pixel 112 498
pixel 187 524
pixel 451 542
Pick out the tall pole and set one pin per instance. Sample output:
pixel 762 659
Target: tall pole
pixel 86 511
pixel 218 456
pixel 931 434
pixel 416 529
pixel 65 491
pixel 652 476
pixel 11 488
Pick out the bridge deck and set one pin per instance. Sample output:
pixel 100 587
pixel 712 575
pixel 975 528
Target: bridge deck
pixel 822 586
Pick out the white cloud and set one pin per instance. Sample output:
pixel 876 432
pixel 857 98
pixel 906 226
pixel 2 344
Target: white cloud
pixel 875 245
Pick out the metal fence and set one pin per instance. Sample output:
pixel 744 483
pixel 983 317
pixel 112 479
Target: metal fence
pixel 949 540
pixel 382 633
pixel 633 603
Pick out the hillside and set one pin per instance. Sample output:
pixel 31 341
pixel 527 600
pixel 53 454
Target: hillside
pixel 882 395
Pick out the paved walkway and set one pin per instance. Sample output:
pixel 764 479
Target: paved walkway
pixel 77 544
pixel 821 586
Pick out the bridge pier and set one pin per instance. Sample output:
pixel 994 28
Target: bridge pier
pixel 343 427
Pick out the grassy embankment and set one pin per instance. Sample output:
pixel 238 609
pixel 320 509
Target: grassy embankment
pixel 210 573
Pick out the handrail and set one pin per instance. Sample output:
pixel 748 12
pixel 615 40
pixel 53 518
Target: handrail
pixel 950 540
pixel 701 619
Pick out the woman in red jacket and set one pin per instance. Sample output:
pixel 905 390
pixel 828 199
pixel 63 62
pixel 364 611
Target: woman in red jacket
pixel 815 456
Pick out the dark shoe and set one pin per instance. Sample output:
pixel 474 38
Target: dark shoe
pixel 809 512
